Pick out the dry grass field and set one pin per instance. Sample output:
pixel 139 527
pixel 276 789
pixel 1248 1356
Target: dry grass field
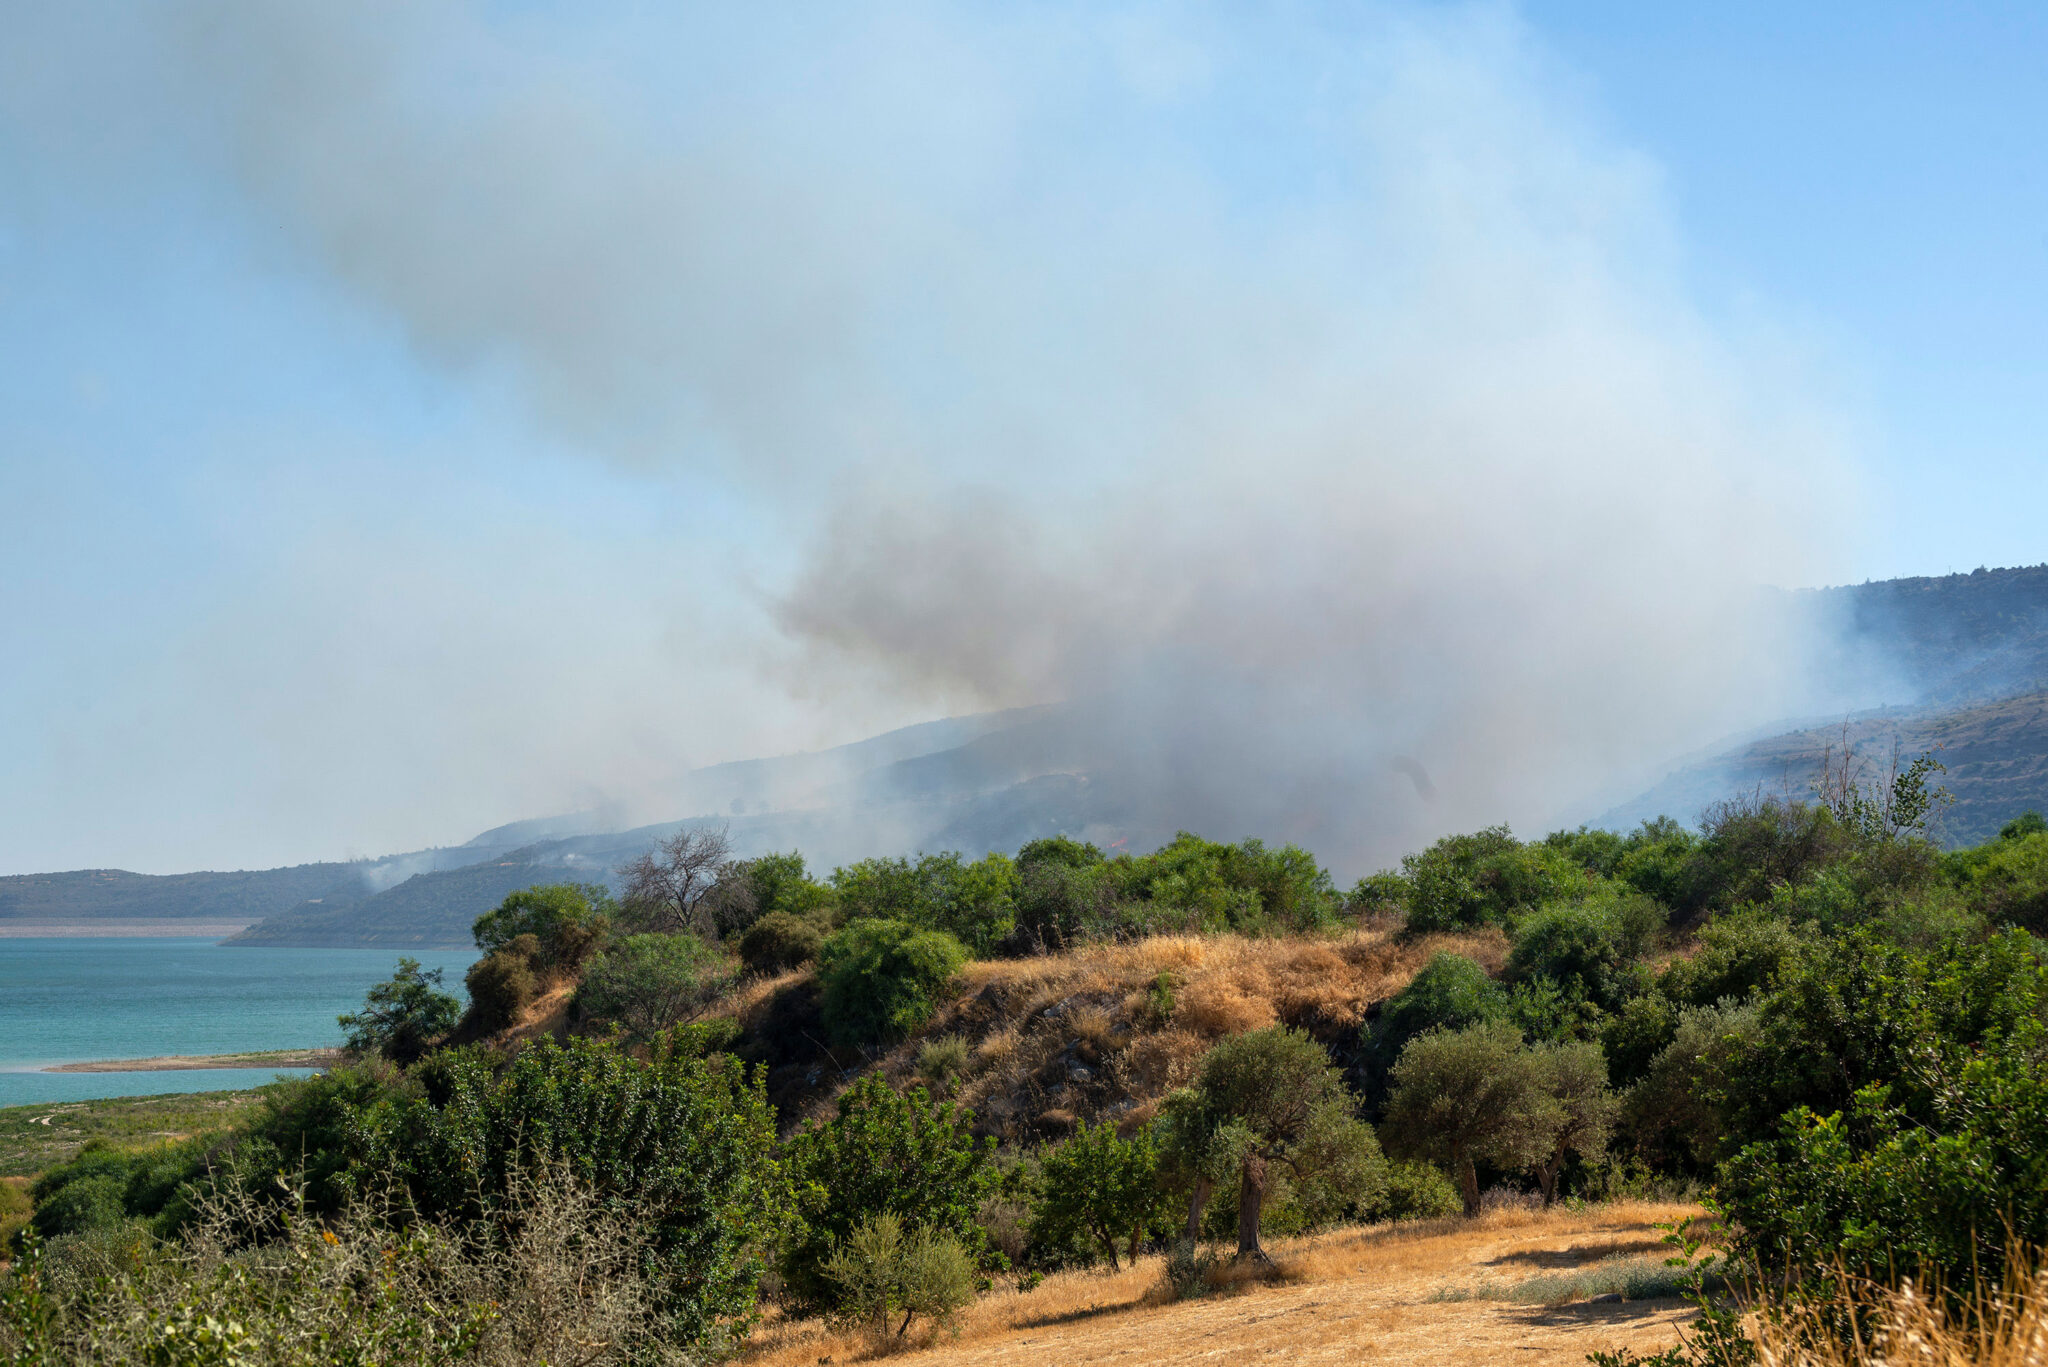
pixel 1435 1292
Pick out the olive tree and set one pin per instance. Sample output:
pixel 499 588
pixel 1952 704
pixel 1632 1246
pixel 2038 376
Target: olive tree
pixel 1469 1096
pixel 1575 1076
pixel 1263 1101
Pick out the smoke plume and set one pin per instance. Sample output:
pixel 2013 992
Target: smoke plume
pixel 1313 398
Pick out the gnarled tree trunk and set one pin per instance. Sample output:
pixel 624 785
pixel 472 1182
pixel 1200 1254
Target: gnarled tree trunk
pixel 1468 1181
pixel 1251 1200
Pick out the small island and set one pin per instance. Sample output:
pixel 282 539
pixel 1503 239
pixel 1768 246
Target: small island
pixel 170 1063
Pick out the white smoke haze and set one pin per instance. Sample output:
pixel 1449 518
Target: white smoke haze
pixel 1314 397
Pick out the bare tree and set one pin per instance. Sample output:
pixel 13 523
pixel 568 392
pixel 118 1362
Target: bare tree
pixel 667 886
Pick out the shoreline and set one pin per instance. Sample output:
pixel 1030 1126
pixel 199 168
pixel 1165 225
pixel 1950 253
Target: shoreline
pixel 175 1063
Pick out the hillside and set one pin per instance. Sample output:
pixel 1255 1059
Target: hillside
pixel 1996 755
pixel 100 898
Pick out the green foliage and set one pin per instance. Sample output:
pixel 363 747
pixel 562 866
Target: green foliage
pixel 881 1269
pixel 975 902
pixel 1487 878
pixel 1740 955
pixel 1451 992
pixel 1098 1190
pixel 1380 894
pixel 1475 1095
pixel 402 1017
pixel 1198 886
pixel 1267 1106
pixel 500 987
pixel 884 1153
pixel 2025 824
pixel 767 885
pixel 779 941
pixel 1418 1191
pixel 2009 884
pixel 568 921
pixel 1586 947
pixel 683 1147
pixel 880 980
pixel 1575 1078
pixel 1753 846
pixel 649 982
pixel 1064 894
pixel 1675 1113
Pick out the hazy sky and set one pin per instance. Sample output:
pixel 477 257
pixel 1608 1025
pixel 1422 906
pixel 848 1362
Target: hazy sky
pixel 417 417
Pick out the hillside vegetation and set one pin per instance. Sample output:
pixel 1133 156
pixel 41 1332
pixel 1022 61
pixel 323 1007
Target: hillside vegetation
pixel 787 1114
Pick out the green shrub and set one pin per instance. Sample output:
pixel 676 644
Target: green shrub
pixel 2010 886
pixel 1064 895
pixel 568 922
pixel 780 941
pixel 500 987
pixel 1268 1106
pixel 1418 1191
pixel 1099 1191
pixel 1450 993
pixel 880 980
pixel 750 889
pixel 649 982
pixel 884 1152
pixel 402 1017
pixel 1487 878
pixel 1586 947
pixel 882 1270
pixel 975 903
pixel 1740 955
pixel 684 1146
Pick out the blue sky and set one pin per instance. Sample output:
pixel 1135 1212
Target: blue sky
pixel 356 500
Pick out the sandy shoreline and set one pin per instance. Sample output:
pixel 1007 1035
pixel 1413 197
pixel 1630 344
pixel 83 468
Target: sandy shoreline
pixel 171 1063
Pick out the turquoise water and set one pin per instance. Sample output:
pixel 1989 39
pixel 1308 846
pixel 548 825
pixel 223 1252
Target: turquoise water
pixel 71 1000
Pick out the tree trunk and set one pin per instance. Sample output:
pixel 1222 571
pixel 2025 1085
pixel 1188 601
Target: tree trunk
pixel 1108 1242
pixel 1137 1237
pixel 1198 1201
pixel 1251 1200
pixel 1546 1180
pixel 1468 1182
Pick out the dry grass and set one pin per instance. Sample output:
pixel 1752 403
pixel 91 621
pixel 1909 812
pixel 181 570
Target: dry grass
pixel 1903 1325
pixel 1079 1036
pixel 1358 1295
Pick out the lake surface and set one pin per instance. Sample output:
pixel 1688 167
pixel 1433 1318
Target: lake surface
pixel 72 1000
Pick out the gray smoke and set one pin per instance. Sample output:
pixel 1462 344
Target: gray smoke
pixel 1312 398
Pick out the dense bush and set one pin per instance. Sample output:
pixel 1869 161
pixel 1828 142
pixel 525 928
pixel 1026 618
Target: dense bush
pixel 1588 948
pixel 975 903
pixel 780 941
pixel 402 1016
pixel 682 1147
pixel 1099 1192
pixel 501 986
pixel 1487 878
pixel 1418 1191
pixel 750 889
pixel 568 923
pixel 884 1153
pixel 649 982
pixel 880 980
pixel 883 1268
pixel 1451 992
pixel 1202 886
pixel 2010 884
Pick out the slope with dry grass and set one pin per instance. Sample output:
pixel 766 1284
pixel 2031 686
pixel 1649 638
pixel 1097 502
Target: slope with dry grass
pixel 1433 1292
pixel 1105 1031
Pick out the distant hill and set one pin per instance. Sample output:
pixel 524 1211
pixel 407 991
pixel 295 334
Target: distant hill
pixel 90 898
pixel 1996 755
